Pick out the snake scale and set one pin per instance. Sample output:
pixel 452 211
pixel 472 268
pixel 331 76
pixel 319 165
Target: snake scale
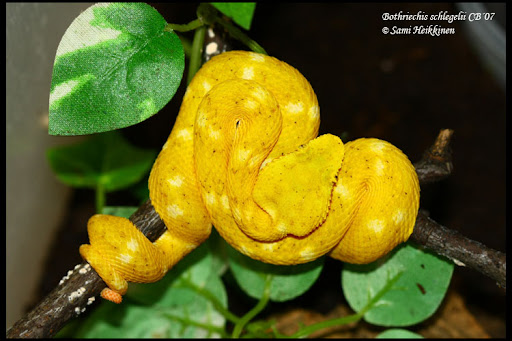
pixel 244 156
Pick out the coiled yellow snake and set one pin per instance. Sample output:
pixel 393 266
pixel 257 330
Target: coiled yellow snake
pixel 243 155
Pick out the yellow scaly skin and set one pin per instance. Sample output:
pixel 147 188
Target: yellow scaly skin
pixel 243 156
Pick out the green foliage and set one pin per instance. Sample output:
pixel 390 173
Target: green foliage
pixel 171 308
pixel 119 211
pixel 117 65
pixel 405 288
pixel 105 160
pixel 240 12
pixel 287 282
pixel 398 334
pixel 120 63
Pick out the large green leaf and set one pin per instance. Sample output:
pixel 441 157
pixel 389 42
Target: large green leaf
pixel 115 66
pixel 406 288
pixel 288 281
pixel 105 160
pixel 240 12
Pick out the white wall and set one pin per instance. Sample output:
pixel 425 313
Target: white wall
pixel 35 199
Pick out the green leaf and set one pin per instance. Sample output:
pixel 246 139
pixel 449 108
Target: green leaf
pixel 115 66
pixel 195 268
pixel 110 320
pixel 105 160
pixel 240 12
pixel 218 249
pixel 140 190
pixel 170 308
pixel 422 279
pixel 119 211
pixel 398 334
pixel 288 281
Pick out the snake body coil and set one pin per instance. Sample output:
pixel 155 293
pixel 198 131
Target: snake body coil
pixel 243 155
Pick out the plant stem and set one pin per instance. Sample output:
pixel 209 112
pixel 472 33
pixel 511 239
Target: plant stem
pixel 216 303
pixel 210 328
pixel 100 197
pixel 187 45
pixel 351 318
pixel 196 53
pixel 236 33
pixel 256 310
pixel 185 27
pixel 326 324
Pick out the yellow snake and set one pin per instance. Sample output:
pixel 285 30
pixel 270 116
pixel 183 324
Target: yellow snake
pixel 244 156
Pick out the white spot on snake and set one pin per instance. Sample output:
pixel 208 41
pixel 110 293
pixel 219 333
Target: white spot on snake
pixel 225 201
pixel 250 104
pixel 201 119
pixel 398 217
pixel 248 214
pixel 214 134
pixel 174 211
pixel 281 227
pixel 236 212
pixel 294 108
pixel 187 93
pixel 377 225
pixel 185 134
pixel 243 154
pixel 211 48
pixel 207 86
pixel 132 245
pixel 253 161
pixel 379 167
pixel 210 199
pixel 125 258
pixel 314 112
pixel 342 190
pixel 307 254
pixel 244 250
pixel 190 246
pixel 177 181
pixel 260 94
pixel 267 161
pixel 378 147
pixel 271 211
pixel 269 246
pixel 257 57
pixel 248 73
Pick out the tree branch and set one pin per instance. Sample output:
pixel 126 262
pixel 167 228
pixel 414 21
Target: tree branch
pixel 461 250
pixel 78 289
pixel 436 163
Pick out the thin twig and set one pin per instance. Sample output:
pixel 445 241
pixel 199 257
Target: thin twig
pixel 461 250
pixel 436 163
